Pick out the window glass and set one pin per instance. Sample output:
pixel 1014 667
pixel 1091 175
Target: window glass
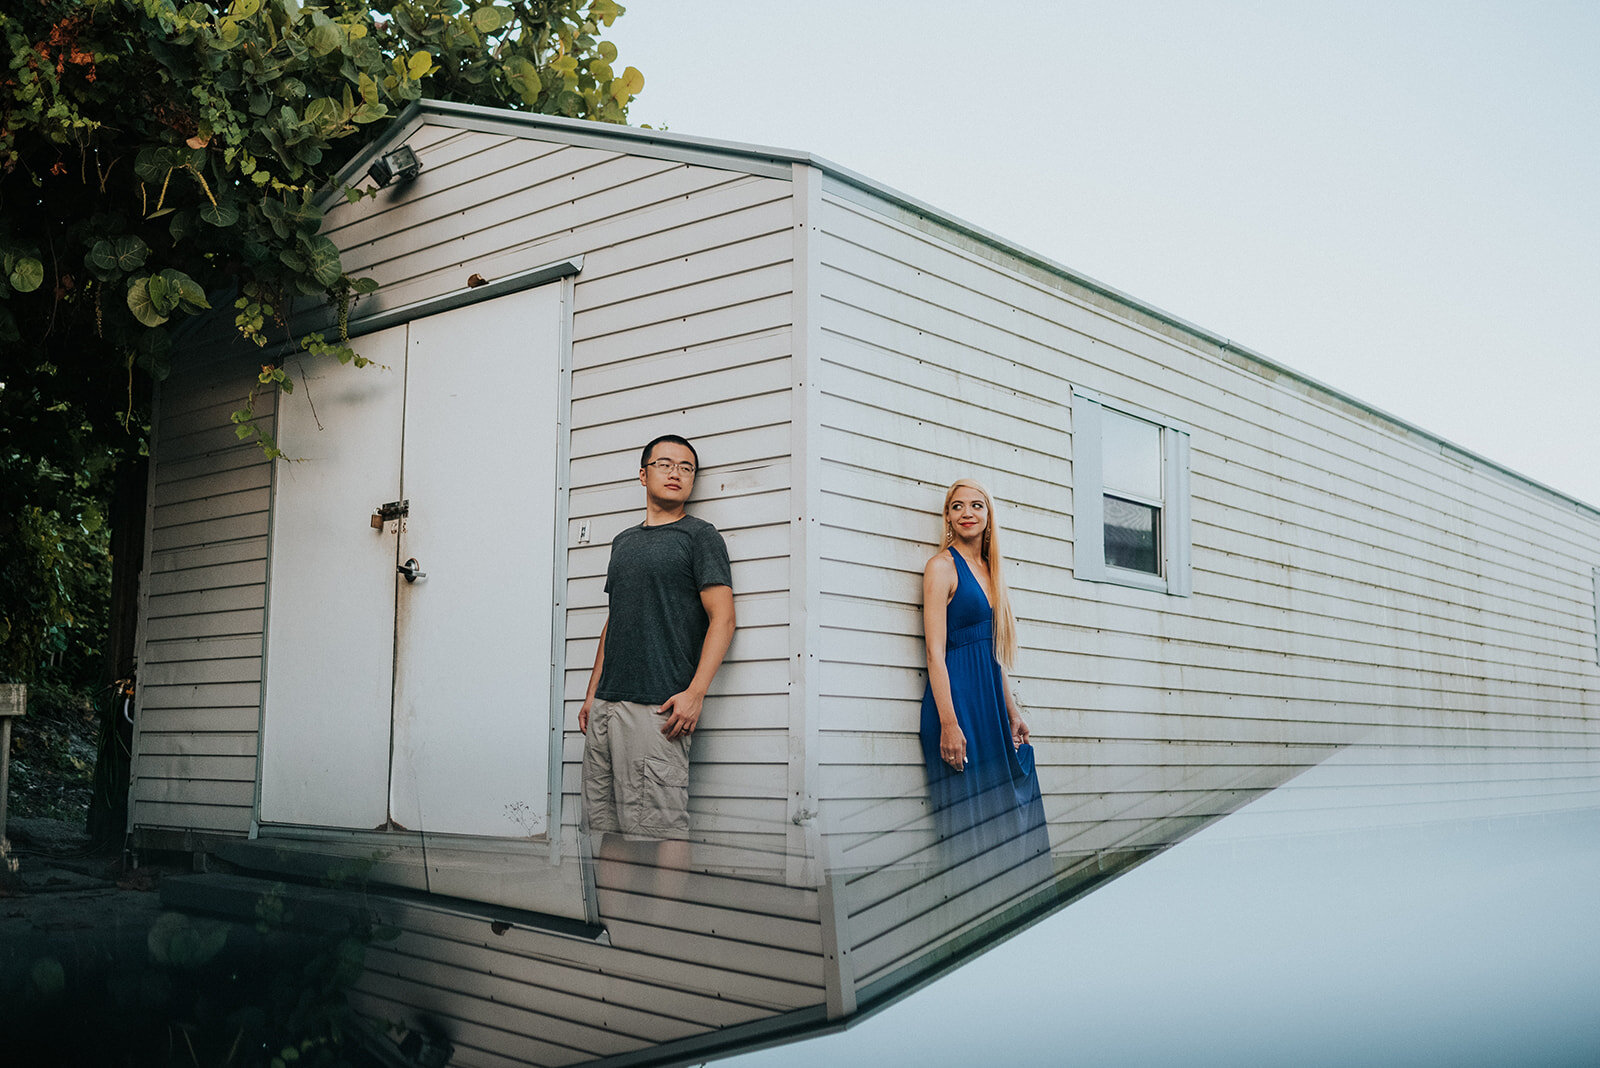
pixel 1131 455
pixel 1131 536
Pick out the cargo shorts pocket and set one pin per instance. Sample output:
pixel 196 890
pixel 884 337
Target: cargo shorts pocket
pixel 661 801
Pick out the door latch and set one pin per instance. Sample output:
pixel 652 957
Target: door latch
pixel 409 570
pixel 386 512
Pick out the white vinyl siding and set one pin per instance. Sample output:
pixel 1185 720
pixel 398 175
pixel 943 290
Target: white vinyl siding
pixel 194 765
pixel 1349 576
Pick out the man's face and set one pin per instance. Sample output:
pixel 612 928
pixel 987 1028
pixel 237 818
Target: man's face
pixel 669 475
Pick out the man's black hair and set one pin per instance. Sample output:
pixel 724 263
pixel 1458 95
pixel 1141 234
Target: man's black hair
pixel 644 457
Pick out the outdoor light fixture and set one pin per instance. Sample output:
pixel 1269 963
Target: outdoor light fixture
pixel 402 163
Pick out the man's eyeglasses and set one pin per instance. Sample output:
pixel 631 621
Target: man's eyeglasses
pixel 667 467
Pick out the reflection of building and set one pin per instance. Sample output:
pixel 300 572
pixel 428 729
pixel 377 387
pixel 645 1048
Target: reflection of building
pixel 1224 573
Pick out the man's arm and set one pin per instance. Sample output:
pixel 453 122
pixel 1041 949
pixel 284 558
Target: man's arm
pixel 684 708
pixel 594 679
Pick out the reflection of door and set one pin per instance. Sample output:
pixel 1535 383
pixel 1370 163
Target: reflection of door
pixel 420 705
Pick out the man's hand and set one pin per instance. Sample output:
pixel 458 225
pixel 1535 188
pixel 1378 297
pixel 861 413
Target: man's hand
pixel 583 715
pixel 683 713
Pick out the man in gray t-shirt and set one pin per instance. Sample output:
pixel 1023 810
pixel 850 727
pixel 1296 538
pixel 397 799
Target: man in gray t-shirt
pixel 670 621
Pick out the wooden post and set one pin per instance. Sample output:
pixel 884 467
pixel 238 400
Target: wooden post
pixel 13 702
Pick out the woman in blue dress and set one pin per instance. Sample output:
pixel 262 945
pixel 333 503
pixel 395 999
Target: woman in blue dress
pixel 974 741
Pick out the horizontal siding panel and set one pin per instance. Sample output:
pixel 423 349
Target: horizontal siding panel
pixel 921 918
pixel 697 248
pixel 210 624
pixel 754 283
pixel 245 502
pixel 229 459
pixel 220 440
pixel 537 1009
pixel 183 766
pixel 175 720
pixel 208 555
pixel 236 669
pixel 208 532
pixel 505 185
pixel 565 191
pixel 742 264
pixel 870 432
pixel 1342 513
pixel 579 991
pixel 589 226
pixel 211 484
pixel 446 184
pixel 672 369
pixel 802 969
pixel 177 427
pixel 197 649
pixel 621 199
pixel 213 390
pixel 615 962
pixel 211 742
pixel 194 792
pixel 756 397
pixel 196 577
pixel 758 316
pixel 692 918
pixel 228 599
pixel 203 695
pixel 159 815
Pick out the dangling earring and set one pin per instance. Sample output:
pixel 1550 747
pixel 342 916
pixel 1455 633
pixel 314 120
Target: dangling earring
pixel 949 533
pixel 985 543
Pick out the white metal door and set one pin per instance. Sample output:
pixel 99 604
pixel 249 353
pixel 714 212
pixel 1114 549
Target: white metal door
pixel 417 705
pixel 330 622
pixel 472 638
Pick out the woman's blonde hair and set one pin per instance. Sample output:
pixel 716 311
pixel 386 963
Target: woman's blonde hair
pixel 1005 623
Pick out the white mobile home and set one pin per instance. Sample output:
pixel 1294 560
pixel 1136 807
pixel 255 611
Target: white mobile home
pixel 1224 573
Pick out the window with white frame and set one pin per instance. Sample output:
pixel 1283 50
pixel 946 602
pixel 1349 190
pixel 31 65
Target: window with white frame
pixel 1130 500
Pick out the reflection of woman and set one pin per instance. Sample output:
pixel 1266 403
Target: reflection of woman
pixel 974 741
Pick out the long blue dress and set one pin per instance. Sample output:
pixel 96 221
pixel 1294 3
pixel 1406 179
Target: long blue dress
pixel 996 799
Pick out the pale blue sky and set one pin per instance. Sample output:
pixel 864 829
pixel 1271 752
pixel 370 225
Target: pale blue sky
pixel 1400 199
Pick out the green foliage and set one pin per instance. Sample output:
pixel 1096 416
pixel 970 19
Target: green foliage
pixel 160 158
pixel 55 570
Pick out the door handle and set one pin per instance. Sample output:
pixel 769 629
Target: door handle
pixel 409 570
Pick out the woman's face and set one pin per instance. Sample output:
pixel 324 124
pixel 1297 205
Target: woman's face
pixel 967 513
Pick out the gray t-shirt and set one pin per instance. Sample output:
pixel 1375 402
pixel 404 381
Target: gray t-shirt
pixel 657 622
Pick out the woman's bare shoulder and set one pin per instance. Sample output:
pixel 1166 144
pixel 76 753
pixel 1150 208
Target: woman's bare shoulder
pixel 939 565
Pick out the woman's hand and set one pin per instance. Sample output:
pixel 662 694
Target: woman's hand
pixel 1019 732
pixel 953 746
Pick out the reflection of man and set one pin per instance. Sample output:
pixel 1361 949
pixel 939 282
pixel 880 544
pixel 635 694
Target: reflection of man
pixel 668 628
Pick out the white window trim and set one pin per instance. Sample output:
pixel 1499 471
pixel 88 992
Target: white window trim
pixel 1597 615
pixel 1088 500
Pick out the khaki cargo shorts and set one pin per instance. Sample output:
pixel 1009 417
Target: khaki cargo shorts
pixel 635 779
